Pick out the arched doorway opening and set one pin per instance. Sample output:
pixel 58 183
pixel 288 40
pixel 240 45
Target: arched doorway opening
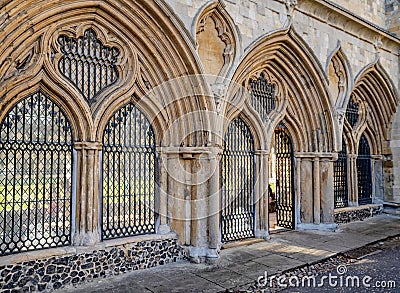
pixel 281 187
pixel 237 167
pixel 364 172
pixel 340 179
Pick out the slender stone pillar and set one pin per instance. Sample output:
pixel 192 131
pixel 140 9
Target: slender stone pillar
pixel 298 194
pixel 353 183
pixel 87 193
pixel 214 202
pixel 261 189
pixel 199 201
pixel 178 194
pixel 317 192
pixel 162 199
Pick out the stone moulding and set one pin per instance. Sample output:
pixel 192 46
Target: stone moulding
pixel 51 272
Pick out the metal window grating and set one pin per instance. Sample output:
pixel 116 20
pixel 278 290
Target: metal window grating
pixel 36 163
pixel 88 64
pixel 340 178
pixel 129 175
pixel 262 96
pixel 364 172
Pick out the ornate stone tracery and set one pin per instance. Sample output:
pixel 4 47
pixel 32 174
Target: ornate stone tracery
pixel 87 63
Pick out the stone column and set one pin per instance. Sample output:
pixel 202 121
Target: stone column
pixel 261 191
pixel 199 200
pixel 214 203
pixel 192 213
pixel 377 178
pixel 316 191
pixel 327 188
pixel 353 182
pixel 87 193
pixel 392 197
pixel 162 200
pixel 176 193
pixel 306 191
pixel 298 194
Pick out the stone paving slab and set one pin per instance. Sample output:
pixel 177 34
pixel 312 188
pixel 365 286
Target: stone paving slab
pixel 251 269
pixel 225 278
pixel 239 267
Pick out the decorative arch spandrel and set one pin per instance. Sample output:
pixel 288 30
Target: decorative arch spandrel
pixel 217 39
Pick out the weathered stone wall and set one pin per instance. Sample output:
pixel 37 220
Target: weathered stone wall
pixel 317 25
pixel 323 39
pixel 393 16
pixel 347 215
pixel 56 272
pixel 371 10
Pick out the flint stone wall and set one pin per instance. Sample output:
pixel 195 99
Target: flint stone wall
pixel 56 272
pixel 347 215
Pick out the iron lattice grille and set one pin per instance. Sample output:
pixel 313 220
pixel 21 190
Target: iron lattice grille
pixel 352 112
pixel 237 192
pixel 129 175
pixel 340 178
pixel 364 172
pixel 36 151
pixel 284 177
pixel 262 96
pixel 88 64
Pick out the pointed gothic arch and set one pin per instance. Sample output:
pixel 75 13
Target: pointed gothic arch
pixel 376 90
pixel 144 62
pixel 286 57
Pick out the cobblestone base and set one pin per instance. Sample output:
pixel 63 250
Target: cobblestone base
pixel 56 272
pixel 357 214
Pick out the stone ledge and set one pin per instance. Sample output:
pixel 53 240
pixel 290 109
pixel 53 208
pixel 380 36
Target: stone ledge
pixel 391 208
pixel 360 213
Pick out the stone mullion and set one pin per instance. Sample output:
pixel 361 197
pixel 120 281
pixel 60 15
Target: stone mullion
pixel 87 193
